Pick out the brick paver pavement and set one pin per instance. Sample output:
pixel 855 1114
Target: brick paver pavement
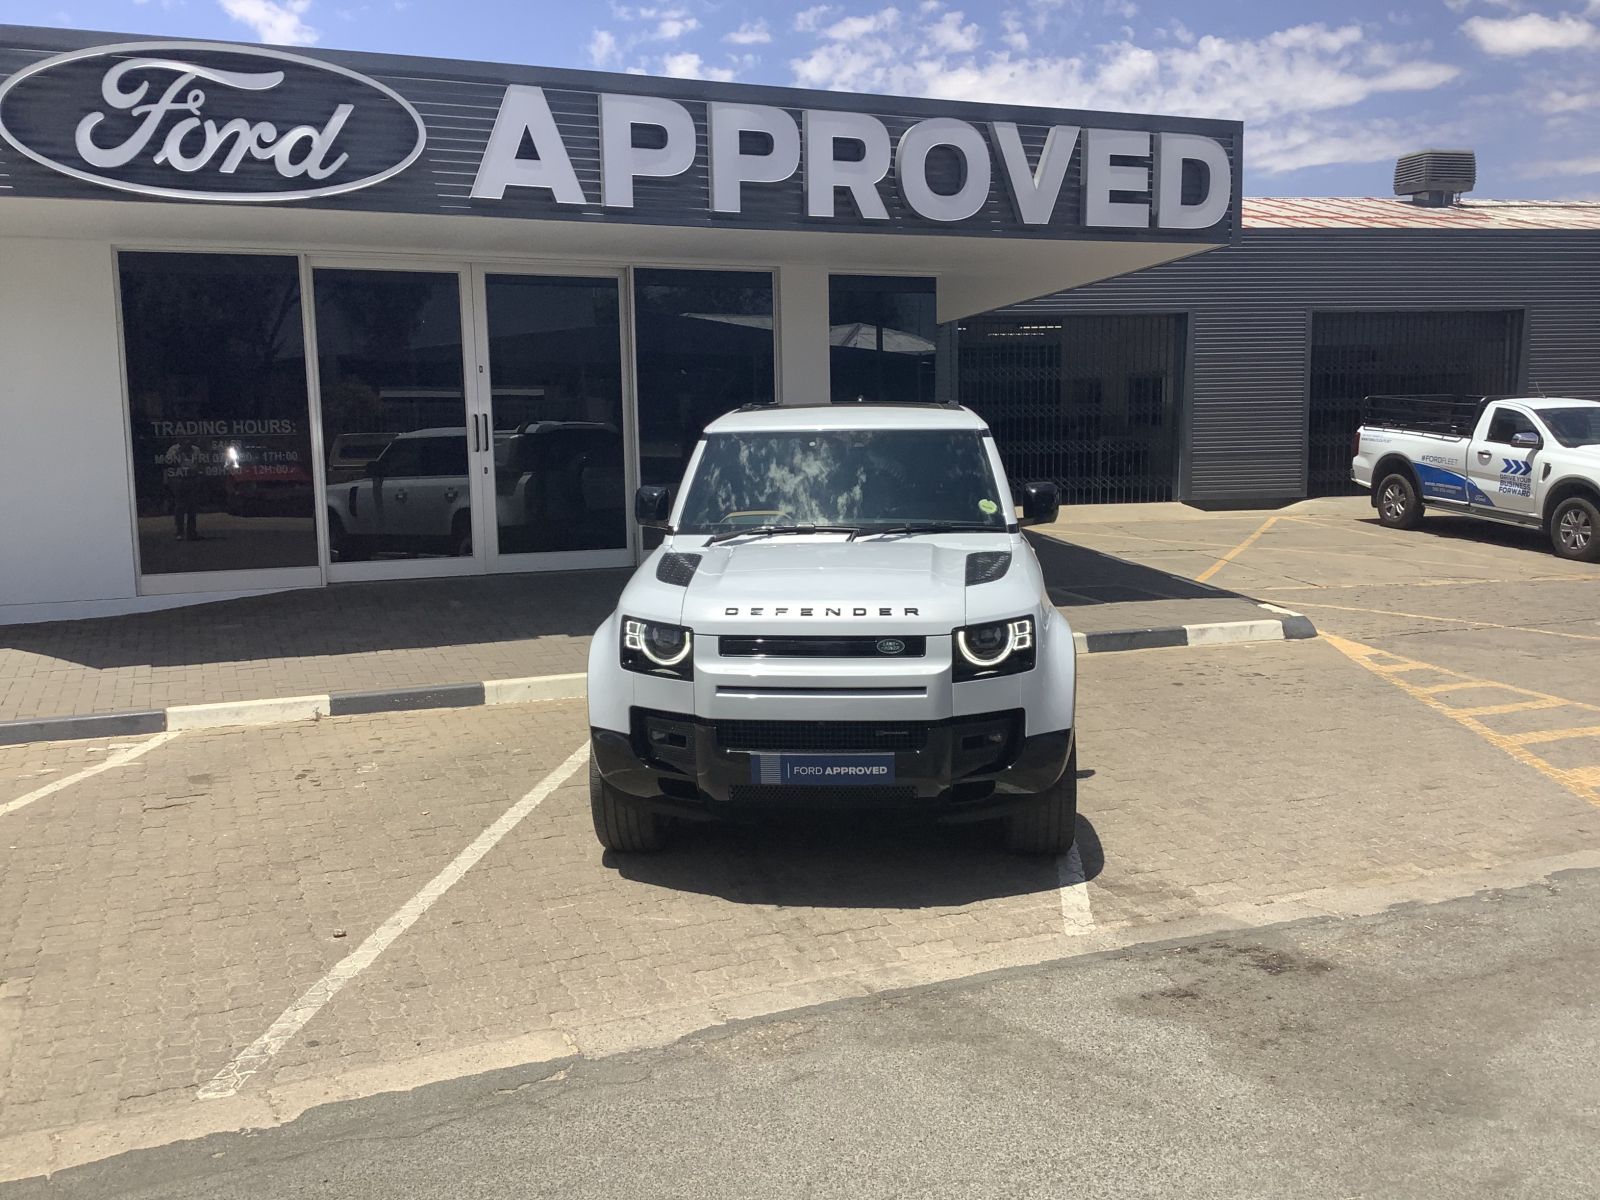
pixel 168 911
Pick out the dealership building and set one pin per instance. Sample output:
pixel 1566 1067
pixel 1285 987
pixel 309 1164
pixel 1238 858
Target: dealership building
pixel 273 320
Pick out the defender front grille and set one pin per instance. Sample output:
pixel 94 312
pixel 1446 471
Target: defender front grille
pixel 821 736
pixel 764 646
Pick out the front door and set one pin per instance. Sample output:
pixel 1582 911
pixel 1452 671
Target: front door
pixel 550 383
pixel 1502 474
pixel 398 423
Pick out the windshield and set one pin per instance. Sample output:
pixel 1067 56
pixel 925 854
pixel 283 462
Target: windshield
pixel 858 477
pixel 1572 426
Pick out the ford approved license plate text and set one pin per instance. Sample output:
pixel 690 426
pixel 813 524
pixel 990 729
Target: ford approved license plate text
pixel 826 770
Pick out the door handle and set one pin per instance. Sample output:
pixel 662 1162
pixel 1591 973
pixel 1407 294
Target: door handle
pixel 477 446
pixel 450 493
pixel 400 495
pixel 488 434
pixel 1485 455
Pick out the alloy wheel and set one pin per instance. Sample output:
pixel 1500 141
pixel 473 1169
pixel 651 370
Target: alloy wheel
pixel 1576 530
pixel 1394 502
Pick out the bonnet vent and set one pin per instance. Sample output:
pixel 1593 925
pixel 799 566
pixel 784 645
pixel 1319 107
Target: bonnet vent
pixel 677 569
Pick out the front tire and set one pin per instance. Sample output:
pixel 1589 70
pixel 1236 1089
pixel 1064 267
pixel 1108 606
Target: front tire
pixel 1575 530
pixel 621 823
pixel 1399 506
pixel 1047 824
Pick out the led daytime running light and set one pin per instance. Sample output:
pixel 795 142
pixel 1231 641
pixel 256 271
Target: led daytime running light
pixel 1019 636
pixel 633 637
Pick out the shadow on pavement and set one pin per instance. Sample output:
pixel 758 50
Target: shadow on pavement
pixel 349 618
pixel 1459 527
pixel 1077 576
pixel 852 863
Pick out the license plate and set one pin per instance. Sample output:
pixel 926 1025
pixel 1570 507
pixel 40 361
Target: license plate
pixel 822 770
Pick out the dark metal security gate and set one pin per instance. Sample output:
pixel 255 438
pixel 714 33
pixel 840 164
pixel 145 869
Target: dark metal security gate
pixel 1091 402
pixel 1357 354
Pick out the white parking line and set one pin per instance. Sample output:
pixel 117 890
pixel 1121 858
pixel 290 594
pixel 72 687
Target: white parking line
pixel 253 1057
pixel 1076 914
pixel 115 760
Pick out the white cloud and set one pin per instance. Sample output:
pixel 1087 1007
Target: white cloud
pixel 852 28
pixel 689 65
pixel 1012 33
pixel 949 34
pixel 674 25
pixel 1305 69
pixel 809 20
pixel 1558 101
pixel 274 20
pixel 1302 144
pixel 603 48
pixel 751 33
pixel 1530 33
pixel 1566 166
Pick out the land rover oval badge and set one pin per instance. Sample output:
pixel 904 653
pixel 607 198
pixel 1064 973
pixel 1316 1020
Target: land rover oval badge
pixel 891 646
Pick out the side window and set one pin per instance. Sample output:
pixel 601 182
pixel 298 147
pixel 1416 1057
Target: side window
pixel 401 459
pixel 444 456
pixel 1506 424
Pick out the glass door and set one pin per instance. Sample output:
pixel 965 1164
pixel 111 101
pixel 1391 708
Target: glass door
pixel 401 438
pixel 550 388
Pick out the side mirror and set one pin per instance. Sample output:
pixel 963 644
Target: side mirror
pixel 652 506
pixel 1527 440
pixel 1041 503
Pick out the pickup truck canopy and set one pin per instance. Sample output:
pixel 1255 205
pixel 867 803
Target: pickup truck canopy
pixel 1445 413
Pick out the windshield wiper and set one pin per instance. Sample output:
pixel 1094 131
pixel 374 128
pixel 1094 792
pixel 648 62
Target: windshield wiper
pixel 936 527
pixel 772 530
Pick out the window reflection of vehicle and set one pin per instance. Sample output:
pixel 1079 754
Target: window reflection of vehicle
pixel 258 480
pixel 350 453
pixel 412 499
pixel 559 486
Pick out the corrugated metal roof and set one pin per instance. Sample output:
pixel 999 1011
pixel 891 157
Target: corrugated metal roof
pixel 1383 212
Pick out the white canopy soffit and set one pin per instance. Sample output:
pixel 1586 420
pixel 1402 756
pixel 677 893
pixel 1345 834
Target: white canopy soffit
pixel 182 140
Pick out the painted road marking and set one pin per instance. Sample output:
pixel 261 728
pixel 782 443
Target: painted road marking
pixel 114 760
pixel 1390 612
pixel 1540 736
pixel 1582 782
pixel 253 1057
pixel 1236 551
pixel 1076 914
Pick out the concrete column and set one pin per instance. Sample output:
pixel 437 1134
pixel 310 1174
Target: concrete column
pixel 802 335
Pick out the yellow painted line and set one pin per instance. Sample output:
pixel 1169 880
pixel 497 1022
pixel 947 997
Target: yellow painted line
pixel 1236 551
pixel 1391 612
pixel 1499 710
pixel 1438 688
pixel 1540 737
pixel 1583 783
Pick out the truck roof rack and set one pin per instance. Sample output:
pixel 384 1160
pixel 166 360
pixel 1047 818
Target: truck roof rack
pixel 1436 412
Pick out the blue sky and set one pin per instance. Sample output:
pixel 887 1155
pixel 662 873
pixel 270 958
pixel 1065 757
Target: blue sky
pixel 1330 92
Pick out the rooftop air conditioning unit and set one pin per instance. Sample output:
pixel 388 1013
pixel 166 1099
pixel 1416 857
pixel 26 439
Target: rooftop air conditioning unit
pixel 1436 178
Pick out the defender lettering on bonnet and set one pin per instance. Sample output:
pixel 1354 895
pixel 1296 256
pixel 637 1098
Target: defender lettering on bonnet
pixel 821 610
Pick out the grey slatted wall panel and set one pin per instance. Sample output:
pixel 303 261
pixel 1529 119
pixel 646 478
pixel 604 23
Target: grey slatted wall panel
pixel 1252 305
pixel 1563 355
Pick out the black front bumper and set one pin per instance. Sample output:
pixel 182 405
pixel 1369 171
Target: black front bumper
pixel 965 767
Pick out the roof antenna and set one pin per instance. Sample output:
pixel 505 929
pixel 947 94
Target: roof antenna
pixel 1540 390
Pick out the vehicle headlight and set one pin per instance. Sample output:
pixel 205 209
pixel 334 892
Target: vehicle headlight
pixel 653 648
pixel 994 648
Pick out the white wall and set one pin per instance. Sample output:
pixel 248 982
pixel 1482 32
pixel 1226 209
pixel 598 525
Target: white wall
pixel 802 324
pixel 65 532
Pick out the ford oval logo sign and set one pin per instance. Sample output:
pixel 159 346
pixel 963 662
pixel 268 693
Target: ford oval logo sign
pixel 891 646
pixel 188 121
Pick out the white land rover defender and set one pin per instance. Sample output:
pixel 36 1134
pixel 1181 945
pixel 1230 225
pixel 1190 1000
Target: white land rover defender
pixel 842 614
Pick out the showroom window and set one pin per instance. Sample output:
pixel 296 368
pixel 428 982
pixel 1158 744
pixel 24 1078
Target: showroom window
pixel 882 336
pixel 217 411
pixel 704 348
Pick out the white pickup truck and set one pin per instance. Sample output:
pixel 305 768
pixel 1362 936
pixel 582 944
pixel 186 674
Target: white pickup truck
pixel 843 615
pixel 1527 461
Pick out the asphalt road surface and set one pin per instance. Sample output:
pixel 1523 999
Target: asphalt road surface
pixel 1427 1051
